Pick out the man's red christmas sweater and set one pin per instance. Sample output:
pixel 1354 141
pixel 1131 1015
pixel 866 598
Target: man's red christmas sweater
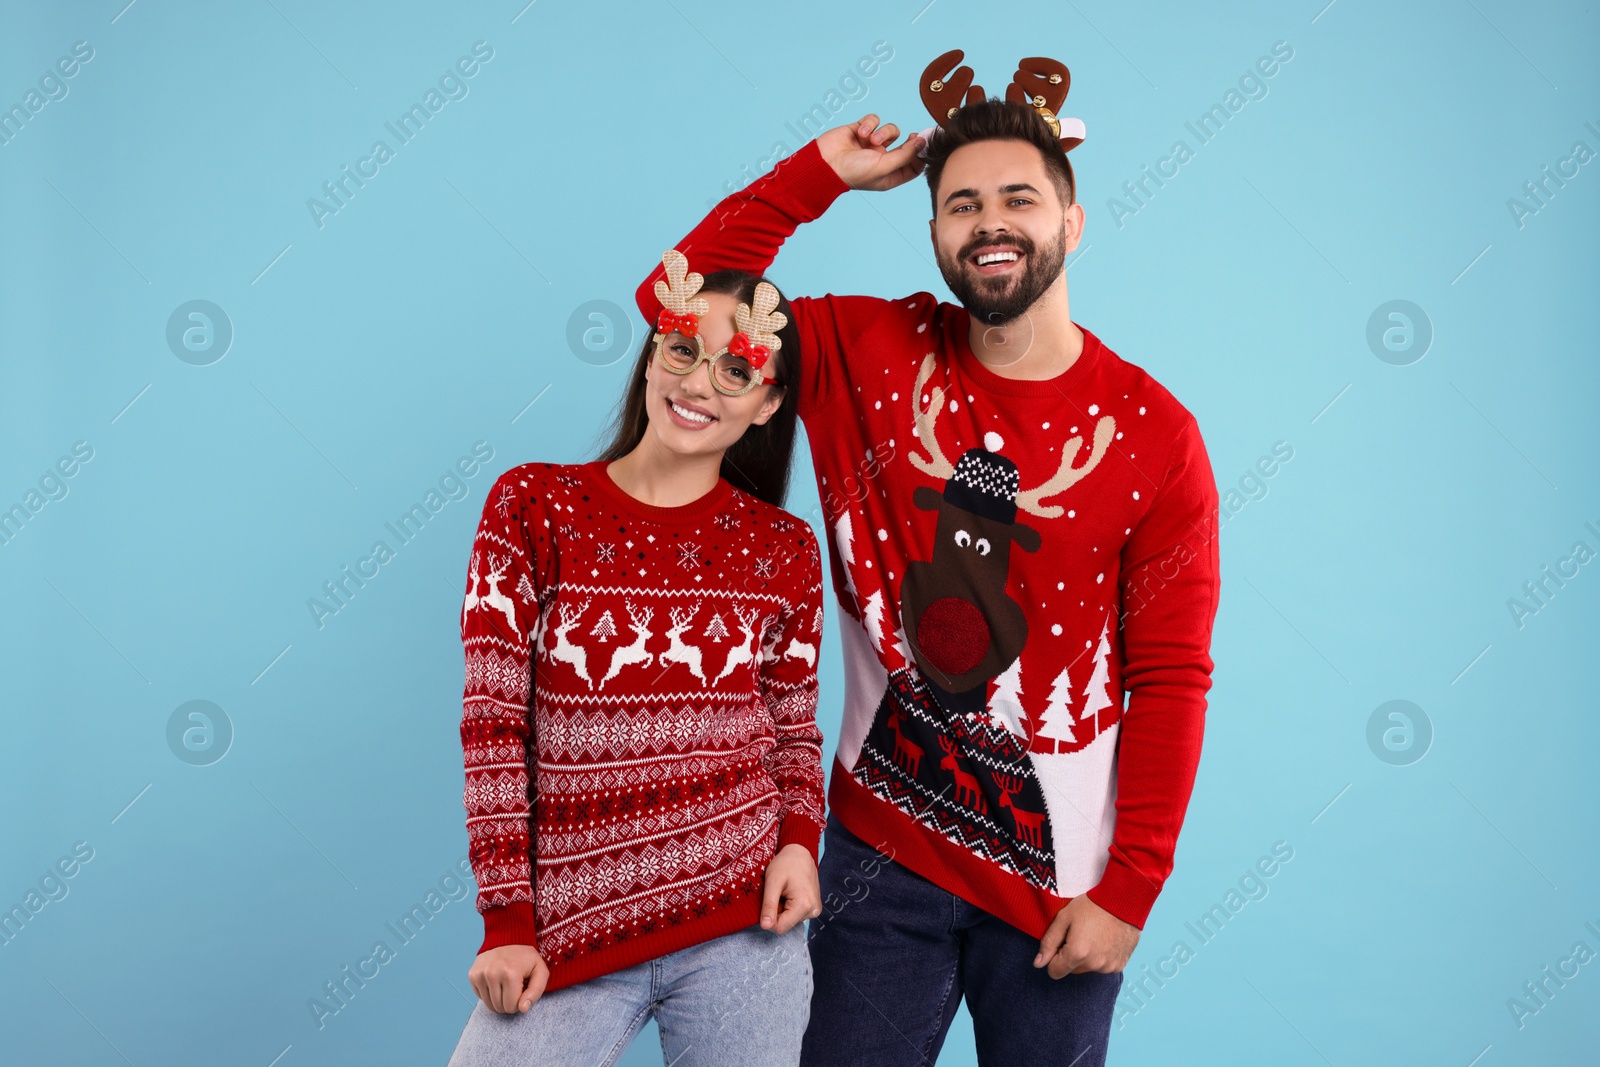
pixel 656 667
pixel 1013 559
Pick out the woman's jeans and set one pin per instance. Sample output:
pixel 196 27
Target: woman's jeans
pixel 742 998
pixel 894 955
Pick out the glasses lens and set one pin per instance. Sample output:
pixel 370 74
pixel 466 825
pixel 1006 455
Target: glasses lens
pixel 734 373
pixel 679 352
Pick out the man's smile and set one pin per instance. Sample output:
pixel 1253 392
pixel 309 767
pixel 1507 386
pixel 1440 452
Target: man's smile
pixel 996 259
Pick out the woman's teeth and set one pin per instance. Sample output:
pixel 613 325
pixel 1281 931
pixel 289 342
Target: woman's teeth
pixel 691 416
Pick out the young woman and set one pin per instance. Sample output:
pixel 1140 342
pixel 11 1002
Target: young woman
pixel 656 615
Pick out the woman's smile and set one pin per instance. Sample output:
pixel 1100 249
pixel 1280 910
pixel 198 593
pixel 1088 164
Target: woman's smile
pixel 688 415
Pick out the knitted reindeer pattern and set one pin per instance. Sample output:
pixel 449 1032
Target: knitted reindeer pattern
pixel 638 717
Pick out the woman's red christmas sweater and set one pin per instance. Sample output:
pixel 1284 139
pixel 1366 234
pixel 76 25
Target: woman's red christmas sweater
pixel 656 668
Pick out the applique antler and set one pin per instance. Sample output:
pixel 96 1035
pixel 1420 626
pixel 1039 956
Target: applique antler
pixel 1067 474
pixel 926 418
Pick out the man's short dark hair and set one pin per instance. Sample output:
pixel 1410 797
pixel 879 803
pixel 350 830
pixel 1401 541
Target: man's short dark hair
pixel 996 119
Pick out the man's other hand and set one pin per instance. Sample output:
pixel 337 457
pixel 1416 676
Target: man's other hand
pixel 1085 937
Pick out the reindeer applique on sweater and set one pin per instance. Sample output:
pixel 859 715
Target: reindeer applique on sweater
pixel 963 630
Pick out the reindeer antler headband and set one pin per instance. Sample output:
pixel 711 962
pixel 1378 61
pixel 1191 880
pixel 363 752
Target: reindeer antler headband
pixel 1040 82
pixel 757 323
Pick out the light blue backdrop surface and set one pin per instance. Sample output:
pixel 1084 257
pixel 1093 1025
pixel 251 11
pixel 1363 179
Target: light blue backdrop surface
pixel 373 348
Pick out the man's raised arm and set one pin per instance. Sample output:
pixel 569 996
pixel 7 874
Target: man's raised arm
pixel 745 230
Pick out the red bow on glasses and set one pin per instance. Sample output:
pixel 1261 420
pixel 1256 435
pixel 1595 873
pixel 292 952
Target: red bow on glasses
pixel 754 353
pixel 669 321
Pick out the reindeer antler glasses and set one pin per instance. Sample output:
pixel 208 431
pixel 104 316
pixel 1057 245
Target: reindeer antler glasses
pixel 736 368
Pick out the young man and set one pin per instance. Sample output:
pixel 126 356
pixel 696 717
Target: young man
pixel 1021 529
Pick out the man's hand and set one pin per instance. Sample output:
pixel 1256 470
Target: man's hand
pixel 791 879
pixel 509 978
pixel 861 156
pixel 1085 937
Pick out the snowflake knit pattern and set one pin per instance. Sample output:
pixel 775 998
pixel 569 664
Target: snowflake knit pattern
pixel 670 657
pixel 1013 559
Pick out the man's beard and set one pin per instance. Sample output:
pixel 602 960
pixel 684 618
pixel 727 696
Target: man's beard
pixel 999 301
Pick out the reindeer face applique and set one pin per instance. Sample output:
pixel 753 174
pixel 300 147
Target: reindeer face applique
pixel 940 747
pixel 962 626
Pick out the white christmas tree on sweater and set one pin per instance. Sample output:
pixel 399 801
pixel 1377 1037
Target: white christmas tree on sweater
pixel 872 619
pixel 1056 722
pixel 1095 693
pixel 1005 705
pixel 846 540
pixel 716 629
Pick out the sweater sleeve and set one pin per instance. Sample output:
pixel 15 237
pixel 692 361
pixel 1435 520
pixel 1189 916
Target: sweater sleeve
pixel 505 582
pixel 1170 585
pixel 744 232
pixel 789 686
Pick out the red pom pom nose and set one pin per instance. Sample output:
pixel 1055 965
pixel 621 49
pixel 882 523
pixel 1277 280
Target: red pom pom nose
pixel 953 635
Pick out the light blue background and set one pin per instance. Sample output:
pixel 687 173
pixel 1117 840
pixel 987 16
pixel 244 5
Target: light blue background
pixel 369 354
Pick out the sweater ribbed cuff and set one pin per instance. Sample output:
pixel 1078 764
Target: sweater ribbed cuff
pixel 509 924
pixel 811 180
pixel 1125 893
pixel 796 829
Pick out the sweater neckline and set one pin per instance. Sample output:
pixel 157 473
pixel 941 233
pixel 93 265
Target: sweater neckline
pixel 712 500
pixel 989 381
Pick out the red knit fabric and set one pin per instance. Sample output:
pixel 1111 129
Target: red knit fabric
pixel 994 621
pixel 657 665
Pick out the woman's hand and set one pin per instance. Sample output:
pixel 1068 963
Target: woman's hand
pixel 861 156
pixel 791 879
pixel 510 978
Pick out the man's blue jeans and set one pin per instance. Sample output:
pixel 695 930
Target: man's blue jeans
pixel 737 999
pixel 893 954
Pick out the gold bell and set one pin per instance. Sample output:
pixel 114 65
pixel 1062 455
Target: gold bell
pixel 935 85
pixel 1054 79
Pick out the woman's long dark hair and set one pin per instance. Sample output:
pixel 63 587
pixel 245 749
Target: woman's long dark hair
pixel 759 461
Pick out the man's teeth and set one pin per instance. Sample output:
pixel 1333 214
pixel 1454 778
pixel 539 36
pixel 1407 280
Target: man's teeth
pixel 692 416
pixel 996 257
